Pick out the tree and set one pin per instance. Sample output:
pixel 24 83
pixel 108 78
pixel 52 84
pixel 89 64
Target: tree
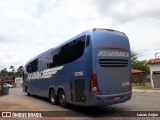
pixel 139 65
pixel 133 57
pixel 3 73
pixel 11 74
pixel 19 71
pixel 12 68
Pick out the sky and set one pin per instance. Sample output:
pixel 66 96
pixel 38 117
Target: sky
pixel 30 27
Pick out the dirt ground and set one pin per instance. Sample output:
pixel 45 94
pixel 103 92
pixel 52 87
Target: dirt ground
pixel 19 101
pixel 16 100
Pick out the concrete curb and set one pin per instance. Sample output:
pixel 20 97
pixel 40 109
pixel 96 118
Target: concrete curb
pixel 146 91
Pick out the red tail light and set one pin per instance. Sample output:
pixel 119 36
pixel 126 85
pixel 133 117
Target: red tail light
pixel 94 84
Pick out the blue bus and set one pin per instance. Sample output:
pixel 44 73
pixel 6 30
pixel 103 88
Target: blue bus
pixel 91 69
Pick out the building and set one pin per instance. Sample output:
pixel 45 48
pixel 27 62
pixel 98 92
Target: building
pixel 155 72
pixel 5 80
pixel 138 76
pixel 18 82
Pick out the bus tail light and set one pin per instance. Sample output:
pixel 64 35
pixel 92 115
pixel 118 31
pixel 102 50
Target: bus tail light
pixel 94 84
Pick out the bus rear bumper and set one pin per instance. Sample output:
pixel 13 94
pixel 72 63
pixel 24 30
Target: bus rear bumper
pixel 105 100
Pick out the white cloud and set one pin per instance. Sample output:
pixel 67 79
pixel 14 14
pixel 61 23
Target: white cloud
pixel 127 10
pixel 144 36
pixel 29 27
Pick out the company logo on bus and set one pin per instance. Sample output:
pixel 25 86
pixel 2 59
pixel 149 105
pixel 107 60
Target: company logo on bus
pixel 113 54
pixel 44 73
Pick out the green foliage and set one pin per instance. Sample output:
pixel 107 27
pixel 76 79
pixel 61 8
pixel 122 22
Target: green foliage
pixel 11 74
pixel 12 68
pixel 19 71
pixel 139 65
pixel 3 73
pixel 133 57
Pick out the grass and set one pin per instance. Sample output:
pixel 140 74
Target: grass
pixel 147 86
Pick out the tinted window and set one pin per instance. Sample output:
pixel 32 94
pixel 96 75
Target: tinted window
pixel 63 55
pixel 45 60
pixel 32 66
pixel 69 52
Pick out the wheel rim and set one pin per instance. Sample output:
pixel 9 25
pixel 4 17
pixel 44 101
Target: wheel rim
pixel 52 98
pixel 62 99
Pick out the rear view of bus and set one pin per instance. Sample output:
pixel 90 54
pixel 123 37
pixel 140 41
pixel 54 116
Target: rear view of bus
pixel 110 82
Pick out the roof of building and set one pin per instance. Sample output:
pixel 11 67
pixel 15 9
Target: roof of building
pixel 6 80
pixel 154 61
pixel 136 71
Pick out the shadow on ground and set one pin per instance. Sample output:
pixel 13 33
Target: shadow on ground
pixel 81 111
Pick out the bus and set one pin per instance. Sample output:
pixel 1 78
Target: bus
pixel 91 69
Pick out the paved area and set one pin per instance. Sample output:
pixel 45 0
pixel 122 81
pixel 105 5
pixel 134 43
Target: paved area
pixel 16 100
pixel 147 91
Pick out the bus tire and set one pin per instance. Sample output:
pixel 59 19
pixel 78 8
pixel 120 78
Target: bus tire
pixel 53 97
pixel 28 94
pixel 62 98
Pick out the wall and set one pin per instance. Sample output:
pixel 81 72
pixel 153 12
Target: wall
pixel 156 80
pixel 155 77
pixel 18 82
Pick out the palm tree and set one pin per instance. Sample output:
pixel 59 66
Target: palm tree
pixel 12 68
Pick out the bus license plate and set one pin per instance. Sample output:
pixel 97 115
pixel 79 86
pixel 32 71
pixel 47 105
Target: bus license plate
pixel 116 98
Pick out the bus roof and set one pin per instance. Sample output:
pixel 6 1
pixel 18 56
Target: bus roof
pixel 83 33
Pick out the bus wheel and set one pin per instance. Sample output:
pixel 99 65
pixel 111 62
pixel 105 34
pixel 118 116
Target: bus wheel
pixel 62 99
pixel 28 94
pixel 52 97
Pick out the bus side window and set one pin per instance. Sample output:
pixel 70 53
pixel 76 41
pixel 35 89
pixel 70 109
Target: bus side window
pixel 67 53
pixel 43 62
pixel 76 48
pixel 28 68
pixel 32 66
